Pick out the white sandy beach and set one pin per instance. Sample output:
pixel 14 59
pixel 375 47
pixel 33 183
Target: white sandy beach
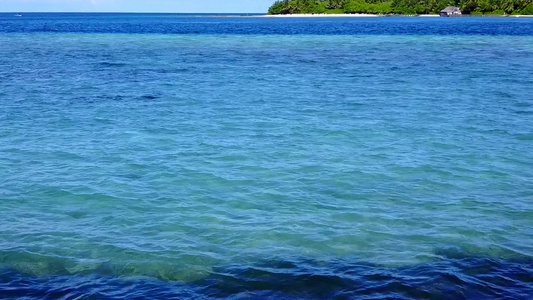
pixel 374 16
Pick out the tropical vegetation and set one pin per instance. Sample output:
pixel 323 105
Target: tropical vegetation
pixel 408 7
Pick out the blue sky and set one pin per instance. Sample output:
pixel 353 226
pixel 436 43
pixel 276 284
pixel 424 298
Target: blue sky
pixel 185 6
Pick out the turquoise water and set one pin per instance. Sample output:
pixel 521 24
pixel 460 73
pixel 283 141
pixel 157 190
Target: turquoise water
pixel 135 165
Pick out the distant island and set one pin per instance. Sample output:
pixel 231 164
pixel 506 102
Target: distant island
pixel 404 7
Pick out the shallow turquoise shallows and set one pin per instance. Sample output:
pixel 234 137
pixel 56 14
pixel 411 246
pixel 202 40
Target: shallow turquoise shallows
pixel 175 158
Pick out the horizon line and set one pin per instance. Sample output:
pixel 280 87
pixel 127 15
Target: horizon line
pixel 124 12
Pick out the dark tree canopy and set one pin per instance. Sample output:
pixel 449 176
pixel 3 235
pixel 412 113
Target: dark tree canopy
pixel 524 7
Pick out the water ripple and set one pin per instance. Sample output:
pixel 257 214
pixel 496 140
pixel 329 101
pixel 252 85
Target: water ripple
pixel 340 164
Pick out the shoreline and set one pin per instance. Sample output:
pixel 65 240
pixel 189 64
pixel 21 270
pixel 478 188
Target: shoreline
pixel 378 15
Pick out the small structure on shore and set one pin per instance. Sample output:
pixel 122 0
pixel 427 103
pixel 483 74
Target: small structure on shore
pixel 450 11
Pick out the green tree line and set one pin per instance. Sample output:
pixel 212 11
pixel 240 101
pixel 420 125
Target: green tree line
pixel 524 7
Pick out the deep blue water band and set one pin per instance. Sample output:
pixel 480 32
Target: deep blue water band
pixel 187 24
pixel 456 277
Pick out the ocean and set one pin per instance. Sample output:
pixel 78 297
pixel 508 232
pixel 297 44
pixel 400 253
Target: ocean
pixel 167 156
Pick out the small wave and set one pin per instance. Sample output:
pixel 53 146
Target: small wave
pixel 524 112
pixel 112 64
pixel 149 97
